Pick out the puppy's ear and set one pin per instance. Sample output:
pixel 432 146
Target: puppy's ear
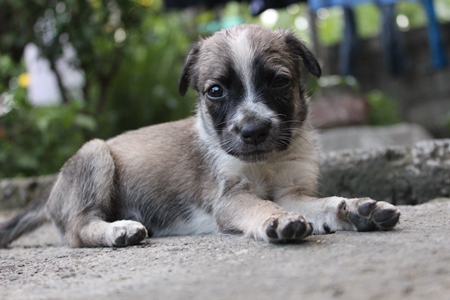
pixel 186 74
pixel 299 48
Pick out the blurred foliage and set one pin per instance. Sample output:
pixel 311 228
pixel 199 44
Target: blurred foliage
pixel 148 81
pixel 330 20
pixel 37 140
pixel 8 70
pixel 382 109
pixel 442 8
pixel 338 80
pixel 130 53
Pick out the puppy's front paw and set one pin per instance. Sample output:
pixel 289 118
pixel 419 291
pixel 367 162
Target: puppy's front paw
pixel 287 227
pixel 369 215
pixel 125 233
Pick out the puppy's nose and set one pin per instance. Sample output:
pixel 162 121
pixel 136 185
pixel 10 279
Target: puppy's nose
pixel 255 133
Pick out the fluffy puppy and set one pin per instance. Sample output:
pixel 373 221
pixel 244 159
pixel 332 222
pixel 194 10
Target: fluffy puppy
pixel 247 162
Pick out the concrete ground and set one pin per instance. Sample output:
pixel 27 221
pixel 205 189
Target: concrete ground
pixel 411 262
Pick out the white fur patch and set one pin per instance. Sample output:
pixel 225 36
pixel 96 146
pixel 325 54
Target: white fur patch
pixel 206 131
pixel 122 228
pixel 200 222
pixel 243 55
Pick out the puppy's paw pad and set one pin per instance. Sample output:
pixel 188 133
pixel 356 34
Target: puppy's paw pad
pixel 125 233
pixel 371 215
pixel 386 215
pixel 287 227
pixel 366 207
pixel 271 229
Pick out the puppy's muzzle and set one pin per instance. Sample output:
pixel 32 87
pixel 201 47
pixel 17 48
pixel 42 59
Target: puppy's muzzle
pixel 254 134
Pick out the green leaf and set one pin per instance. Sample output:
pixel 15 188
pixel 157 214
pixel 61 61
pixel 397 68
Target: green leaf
pixel 85 122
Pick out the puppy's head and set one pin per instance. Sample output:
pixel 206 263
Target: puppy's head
pixel 251 98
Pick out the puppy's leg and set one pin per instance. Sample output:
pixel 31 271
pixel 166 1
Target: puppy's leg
pixel 335 213
pixel 261 219
pixel 81 201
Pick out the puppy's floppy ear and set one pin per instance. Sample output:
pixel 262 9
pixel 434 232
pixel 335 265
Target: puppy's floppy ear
pixel 186 74
pixel 299 48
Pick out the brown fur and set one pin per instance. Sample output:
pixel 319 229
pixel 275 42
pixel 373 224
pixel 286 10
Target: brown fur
pixel 248 161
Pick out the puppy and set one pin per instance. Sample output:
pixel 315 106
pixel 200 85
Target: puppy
pixel 247 162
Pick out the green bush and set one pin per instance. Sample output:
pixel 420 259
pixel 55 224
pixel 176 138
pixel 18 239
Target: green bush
pixel 145 88
pixel 38 140
pixel 383 110
pixel 131 55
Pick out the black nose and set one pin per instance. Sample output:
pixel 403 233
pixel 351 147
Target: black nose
pixel 255 133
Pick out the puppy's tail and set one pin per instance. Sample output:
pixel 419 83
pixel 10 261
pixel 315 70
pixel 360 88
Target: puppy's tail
pixel 29 219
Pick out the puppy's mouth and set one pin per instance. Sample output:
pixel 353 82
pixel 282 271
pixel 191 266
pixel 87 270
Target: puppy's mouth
pixel 248 152
pixel 250 155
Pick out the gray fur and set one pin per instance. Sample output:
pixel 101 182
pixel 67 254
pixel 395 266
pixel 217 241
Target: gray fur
pixel 210 173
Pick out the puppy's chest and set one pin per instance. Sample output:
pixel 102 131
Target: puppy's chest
pixel 263 180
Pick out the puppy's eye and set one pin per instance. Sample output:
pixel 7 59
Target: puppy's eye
pixel 281 82
pixel 216 92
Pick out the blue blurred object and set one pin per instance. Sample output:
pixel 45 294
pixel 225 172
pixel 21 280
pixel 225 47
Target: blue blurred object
pixel 316 4
pixel 349 45
pixel 439 58
pixel 178 4
pixel 258 6
pixel 394 48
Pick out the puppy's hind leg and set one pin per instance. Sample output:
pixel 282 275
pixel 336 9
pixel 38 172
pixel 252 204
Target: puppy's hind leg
pixel 81 202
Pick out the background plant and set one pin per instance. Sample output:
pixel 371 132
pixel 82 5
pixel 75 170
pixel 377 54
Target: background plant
pixel 383 109
pixel 37 140
pixel 130 55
